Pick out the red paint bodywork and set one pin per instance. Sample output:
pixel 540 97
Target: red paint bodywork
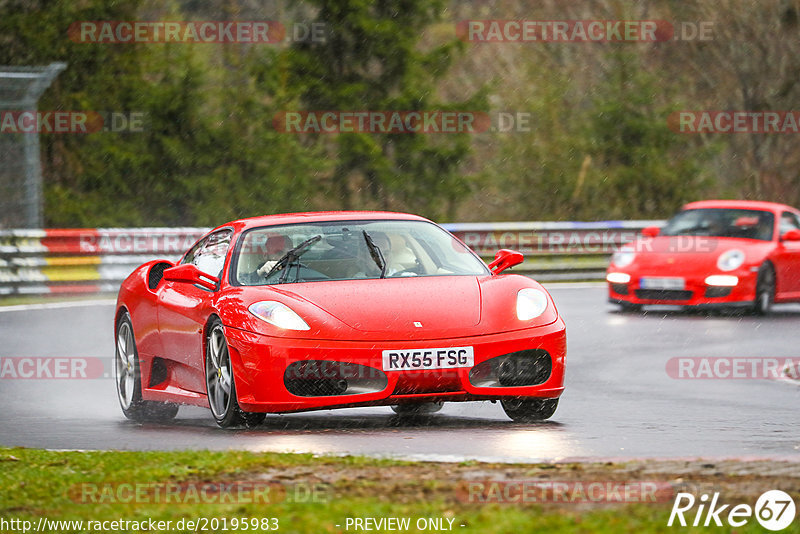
pixel 350 321
pixel 694 259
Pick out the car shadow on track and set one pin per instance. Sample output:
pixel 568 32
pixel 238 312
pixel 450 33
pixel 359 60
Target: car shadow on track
pixel 347 423
pixel 780 313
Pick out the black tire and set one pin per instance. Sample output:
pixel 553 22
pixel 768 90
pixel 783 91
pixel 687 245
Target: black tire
pixel 422 408
pixel 220 382
pixel 524 410
pixel 128 378
pixel 765 290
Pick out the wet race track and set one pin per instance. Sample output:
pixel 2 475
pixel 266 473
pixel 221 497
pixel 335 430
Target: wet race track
pixel 619 402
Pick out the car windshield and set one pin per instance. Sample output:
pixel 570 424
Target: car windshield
pixel 722 222
pixel 346 250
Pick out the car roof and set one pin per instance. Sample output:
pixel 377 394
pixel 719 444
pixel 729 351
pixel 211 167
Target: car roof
pixel 318 216
pixel 742 204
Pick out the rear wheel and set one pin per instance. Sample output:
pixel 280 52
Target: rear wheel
pixel 524 410
pixel 422 408
pixel 765 290
pixel 128 376
pixel 220 385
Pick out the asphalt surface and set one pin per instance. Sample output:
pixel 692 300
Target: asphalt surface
pixel 620 401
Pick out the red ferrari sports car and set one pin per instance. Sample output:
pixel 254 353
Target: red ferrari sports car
pixel 299 312
pixel 712 253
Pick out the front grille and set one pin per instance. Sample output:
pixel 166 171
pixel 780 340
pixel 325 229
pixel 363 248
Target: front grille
pixel 717 292
pixel 620 289
pixel 663 294
pixel 522 368
pixel 321 387
pixel 324 378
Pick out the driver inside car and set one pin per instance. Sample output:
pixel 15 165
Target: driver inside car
pixel 400 259
pixel 275 247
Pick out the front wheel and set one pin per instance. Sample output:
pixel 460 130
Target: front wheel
pixel 220 385
pixel 128 376
pixel 524 410
pixel 765 290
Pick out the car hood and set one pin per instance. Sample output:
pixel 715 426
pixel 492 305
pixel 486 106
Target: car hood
pixel 390 305
pixel 411 308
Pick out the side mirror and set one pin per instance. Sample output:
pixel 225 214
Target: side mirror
pixel 190 274
pixel 504 259
pixel 651 231
pixel 791 235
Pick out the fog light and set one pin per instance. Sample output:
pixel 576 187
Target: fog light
pixel 618 278
pixel 722 280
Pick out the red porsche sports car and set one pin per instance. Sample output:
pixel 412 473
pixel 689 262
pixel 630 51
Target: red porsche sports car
pixel 307 311
pixel 712 253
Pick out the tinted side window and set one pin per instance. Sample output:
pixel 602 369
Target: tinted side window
pixel 209 254
pixel 789 221
pixel 193 251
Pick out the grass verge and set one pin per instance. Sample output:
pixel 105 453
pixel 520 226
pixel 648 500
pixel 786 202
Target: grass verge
pixel 309 494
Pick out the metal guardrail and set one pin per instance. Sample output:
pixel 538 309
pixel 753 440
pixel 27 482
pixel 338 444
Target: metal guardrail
pixel 75 261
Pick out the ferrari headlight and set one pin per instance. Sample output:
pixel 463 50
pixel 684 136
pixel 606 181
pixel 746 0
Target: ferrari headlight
pixel 730 260
pixel 623 258
pixel 278 314
pixel 531 303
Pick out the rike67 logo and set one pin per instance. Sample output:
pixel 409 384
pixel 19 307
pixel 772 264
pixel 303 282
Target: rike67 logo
pixel 774 510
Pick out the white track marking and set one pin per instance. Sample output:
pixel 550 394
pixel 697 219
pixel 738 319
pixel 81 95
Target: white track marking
pixel 58 305
pixel 109 302
pixel 572 285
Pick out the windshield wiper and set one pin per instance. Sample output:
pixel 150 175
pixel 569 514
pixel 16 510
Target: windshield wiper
pixel 692 229
pixel 290 258
pixel 375 252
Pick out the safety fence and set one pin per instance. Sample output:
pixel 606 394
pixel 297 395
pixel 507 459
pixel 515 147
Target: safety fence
pixel 76 261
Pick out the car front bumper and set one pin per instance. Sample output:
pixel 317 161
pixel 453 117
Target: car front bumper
pixel 695 292
pixel 260 363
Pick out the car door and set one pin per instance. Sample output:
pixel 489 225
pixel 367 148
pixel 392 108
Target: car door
pixel 787 259
pixel 184 309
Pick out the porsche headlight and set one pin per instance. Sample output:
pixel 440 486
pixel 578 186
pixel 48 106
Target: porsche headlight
pixel 278 314
pixel 531 303
pixel 623 258
pixel 730 260
pixel 722 280
pixel 618 278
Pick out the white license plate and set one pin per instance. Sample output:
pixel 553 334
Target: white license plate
pixel 416 359
pixel 662 283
